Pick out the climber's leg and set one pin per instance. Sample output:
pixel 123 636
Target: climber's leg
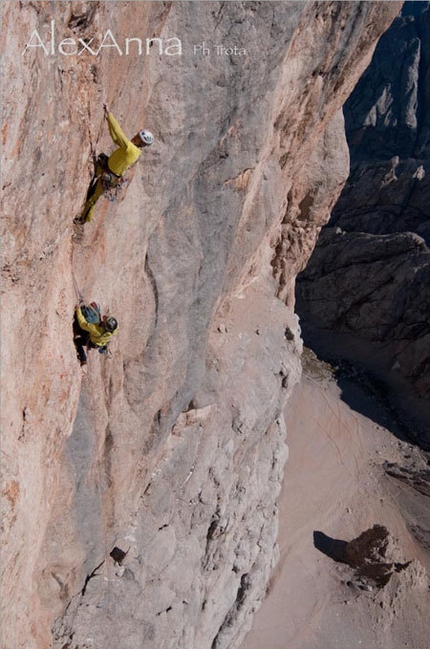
pixel 81 339
pixel 88 211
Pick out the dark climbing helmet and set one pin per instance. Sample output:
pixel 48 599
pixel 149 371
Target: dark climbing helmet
pixel 146 137
pixel 111 324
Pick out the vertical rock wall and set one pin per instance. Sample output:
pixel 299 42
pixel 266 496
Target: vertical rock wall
pixel 140 499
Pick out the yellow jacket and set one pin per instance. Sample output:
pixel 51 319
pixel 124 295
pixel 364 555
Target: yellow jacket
pixel 127 154
pixel 98 334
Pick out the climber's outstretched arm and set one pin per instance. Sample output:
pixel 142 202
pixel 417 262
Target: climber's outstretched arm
pixel 116 132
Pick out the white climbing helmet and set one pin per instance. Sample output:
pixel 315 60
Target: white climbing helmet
pixel 146 137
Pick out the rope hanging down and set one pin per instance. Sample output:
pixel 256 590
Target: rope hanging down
pixel 79 295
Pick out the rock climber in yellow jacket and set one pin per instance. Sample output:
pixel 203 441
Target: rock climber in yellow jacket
pixel 93 330
pixel 112 169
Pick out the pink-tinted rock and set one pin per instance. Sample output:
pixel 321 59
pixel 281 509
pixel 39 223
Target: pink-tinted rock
pixel 171 449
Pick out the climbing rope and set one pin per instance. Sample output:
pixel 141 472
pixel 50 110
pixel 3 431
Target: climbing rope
pixel 79 295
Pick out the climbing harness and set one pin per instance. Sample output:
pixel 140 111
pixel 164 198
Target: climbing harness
pixel 111 183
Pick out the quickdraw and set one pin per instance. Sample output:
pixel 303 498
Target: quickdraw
pixel 112 184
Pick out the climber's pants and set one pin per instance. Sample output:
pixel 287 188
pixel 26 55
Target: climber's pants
pixel 88 211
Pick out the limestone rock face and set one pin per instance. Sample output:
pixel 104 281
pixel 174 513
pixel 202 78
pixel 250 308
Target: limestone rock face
pixel 379 285
pixel 388 113
pixel 369 275
pixel 140 498
pixel 377 560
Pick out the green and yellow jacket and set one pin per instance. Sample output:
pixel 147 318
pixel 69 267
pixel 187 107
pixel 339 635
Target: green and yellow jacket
pixel 127 154
pixel 98 334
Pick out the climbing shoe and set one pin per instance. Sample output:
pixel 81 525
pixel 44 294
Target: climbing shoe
pixel 82 357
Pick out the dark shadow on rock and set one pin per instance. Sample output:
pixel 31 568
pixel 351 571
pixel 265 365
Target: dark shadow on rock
pixel 369 392
pixel 332 548
pixel 363 297
pixel 366 394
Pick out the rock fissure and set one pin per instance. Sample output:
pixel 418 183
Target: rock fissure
pixel 93 574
